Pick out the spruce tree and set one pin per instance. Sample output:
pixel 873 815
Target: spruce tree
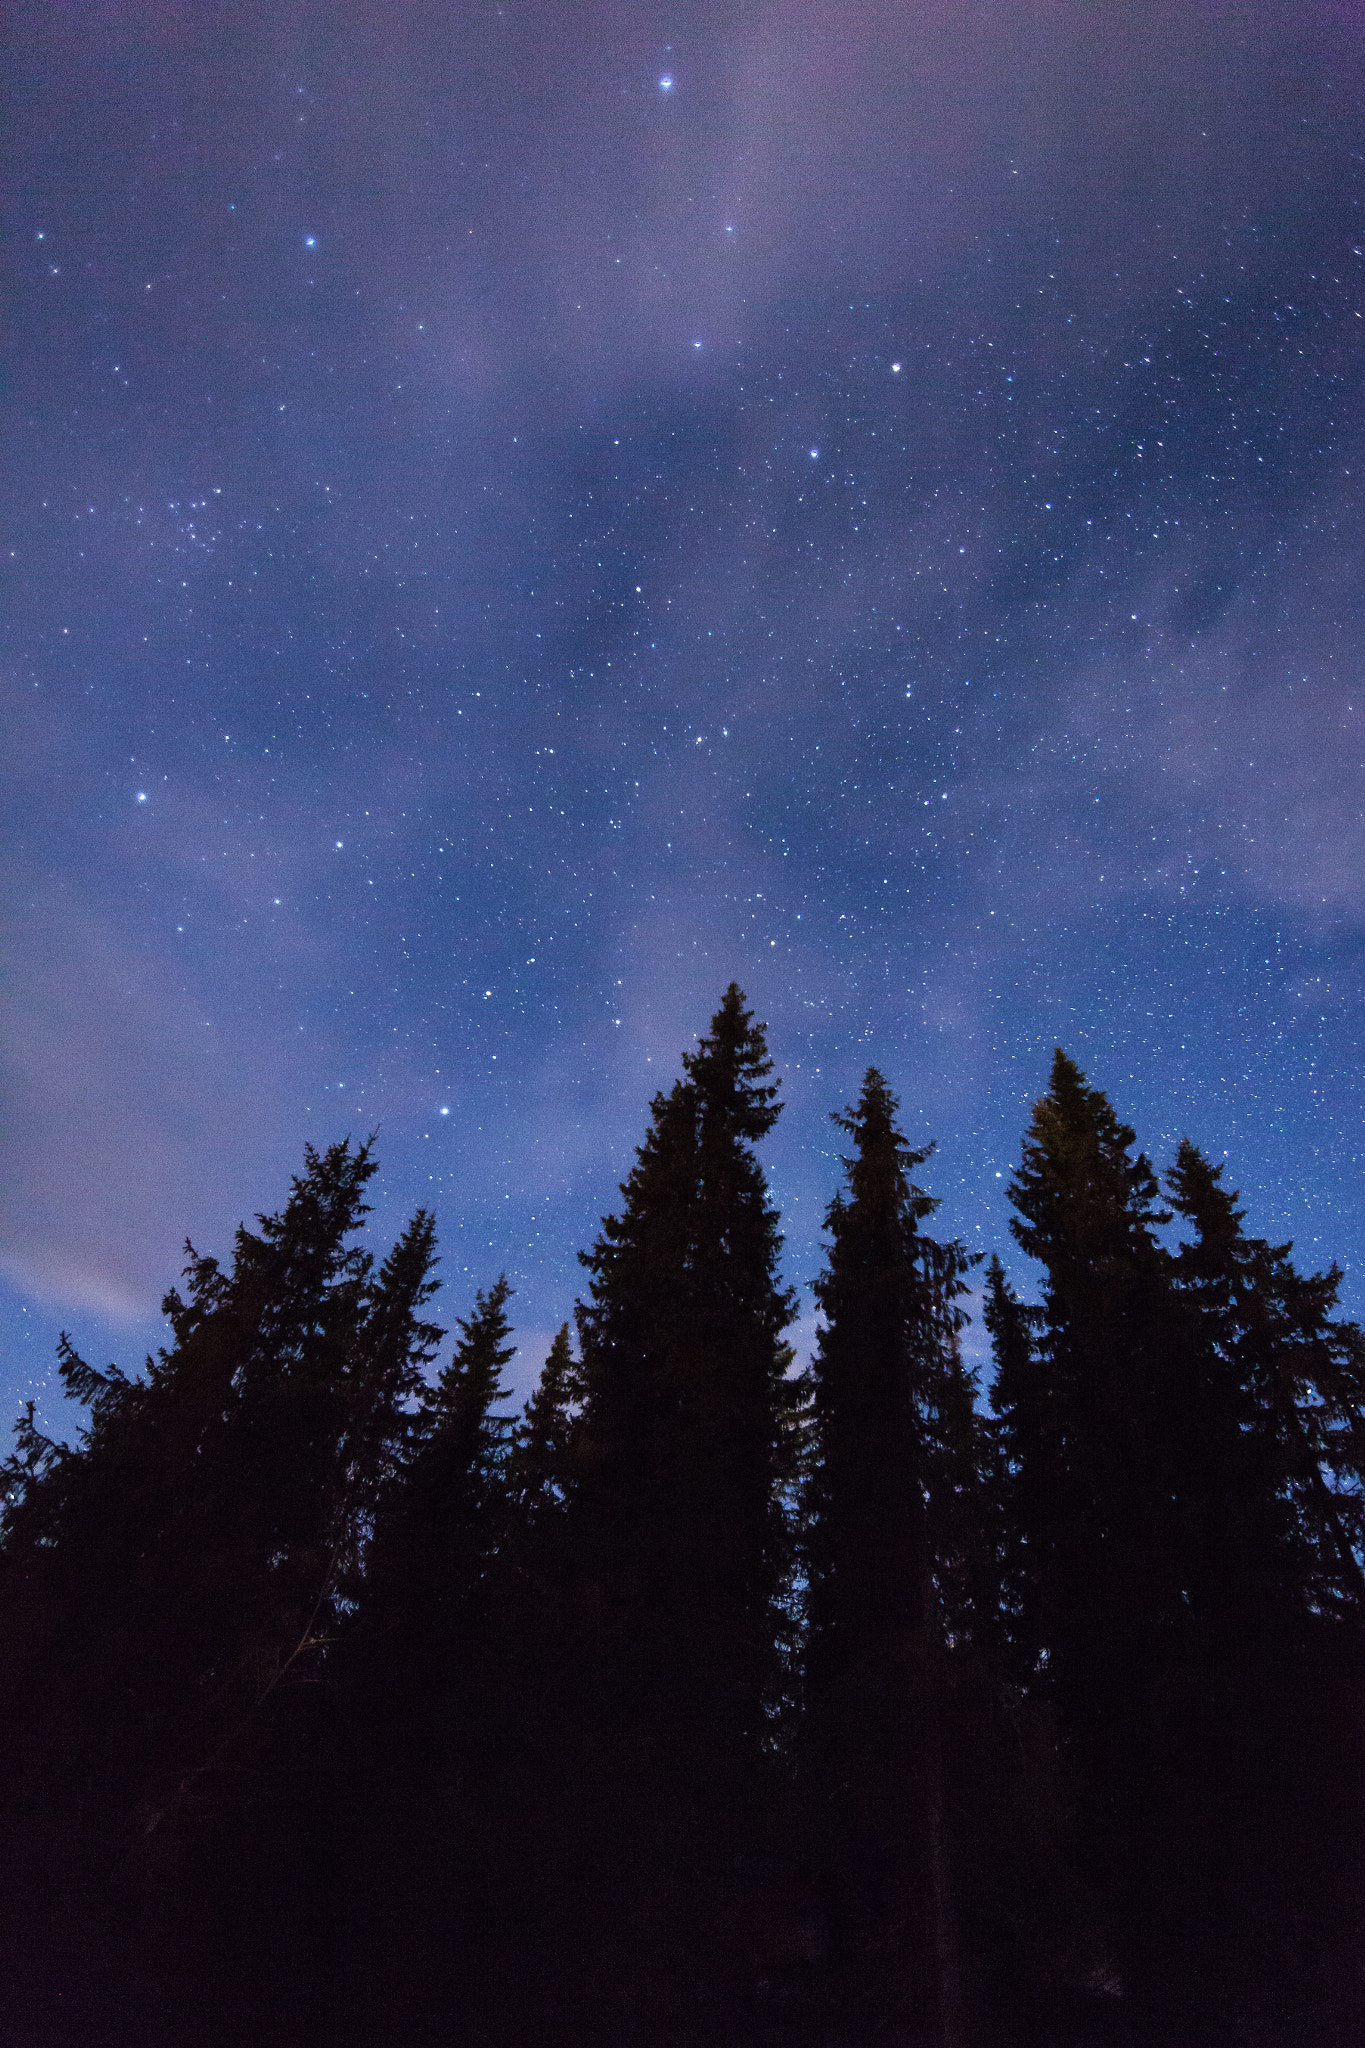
pixel 459 1425
pixel 677 1511
pixel 1029 1879
pixel 423 1764
pixel 1093 1433
pixel 1292 1383
pixel 887 1422
pixel 1181 1437
pixel 441 1521
pixel 537 1633
pixel 1018 1401
pixel 685 1368
pixel 170 1588
pixel 200 1528
pixel 1271 1749
pixel 540 1471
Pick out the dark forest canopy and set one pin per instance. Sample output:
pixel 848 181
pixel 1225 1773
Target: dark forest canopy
pixel 707 1699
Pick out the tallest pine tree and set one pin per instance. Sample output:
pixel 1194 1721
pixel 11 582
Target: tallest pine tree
pixel 677 1507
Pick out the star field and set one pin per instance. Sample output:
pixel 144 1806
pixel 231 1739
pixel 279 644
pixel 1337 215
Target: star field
pixel 509 528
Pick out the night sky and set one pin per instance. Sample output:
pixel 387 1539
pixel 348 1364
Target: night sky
pixel 517 515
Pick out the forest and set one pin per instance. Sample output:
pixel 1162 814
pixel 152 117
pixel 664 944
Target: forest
pixel 709 1699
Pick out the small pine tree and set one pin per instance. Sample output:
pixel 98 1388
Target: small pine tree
pixel 460 1412
pixel 541 1467
pixel 1018 1401
pixel 422 1745
pixel 442 1518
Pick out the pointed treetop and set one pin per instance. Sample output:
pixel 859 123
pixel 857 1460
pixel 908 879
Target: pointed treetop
pixel 546 1419
pixel 472 1383
pixel 883 1160
pixel 557 1375
pixel 730 1068
pixel 1077 1181
pixel 283 1275
pixel 1196 1193
pixel 396 1329
pixel 548 1425
pixel 1007 1322
pixel 1073 1112
pixel 326 1203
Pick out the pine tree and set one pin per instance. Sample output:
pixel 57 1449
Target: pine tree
pixel 1018 1401
pixel 385 1381
pixel 536 1617
pixel 1270 1744
pixel 422 1754
pixel 1181 1444
pixel 887 1422
pixel 441 1519
pixel 540 1473
pixel 1094 1434
pixel 169 1588
pixel 1085 1426
pixel 677 1508
pixel 1292 1385
pixel 459 1422
pixel 201 1524
pixel 685 1371
pixel 1032 1915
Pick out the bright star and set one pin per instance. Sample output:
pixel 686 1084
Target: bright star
pixel 310 241
pixel 666 83
pixel 142 796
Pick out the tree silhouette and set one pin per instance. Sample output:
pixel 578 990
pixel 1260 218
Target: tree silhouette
pixel 886 1363
pixel 169 1588
pixel 677 1507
